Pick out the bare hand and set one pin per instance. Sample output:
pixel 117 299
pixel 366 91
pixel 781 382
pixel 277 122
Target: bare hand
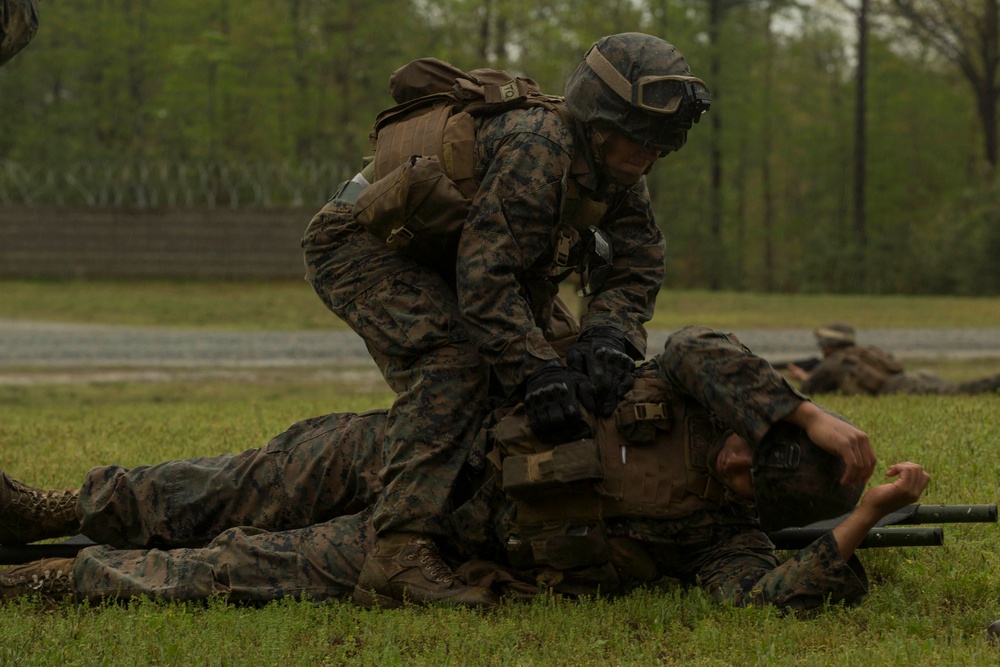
pixel 880 502
pixel 911 480
pixel 839 438
pixel 796 372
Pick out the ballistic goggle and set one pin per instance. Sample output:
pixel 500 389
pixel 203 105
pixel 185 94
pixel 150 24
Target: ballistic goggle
pixel 660 94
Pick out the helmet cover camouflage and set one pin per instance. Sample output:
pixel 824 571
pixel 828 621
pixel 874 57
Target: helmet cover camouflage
pixel 836 334
pixel 796 483
pixel 641 86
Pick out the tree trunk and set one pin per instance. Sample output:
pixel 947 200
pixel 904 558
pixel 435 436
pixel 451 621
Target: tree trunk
pixel 767 186
pixel 858 279
pixel 987 102
pixel 716 264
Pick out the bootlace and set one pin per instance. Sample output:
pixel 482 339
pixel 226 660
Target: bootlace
pixel 29 514
pixel 51 582
pixel 432 562
pixel 29 500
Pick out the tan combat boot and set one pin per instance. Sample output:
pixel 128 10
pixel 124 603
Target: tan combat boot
pixel 28 514
pixel 50 578
pixel 406 567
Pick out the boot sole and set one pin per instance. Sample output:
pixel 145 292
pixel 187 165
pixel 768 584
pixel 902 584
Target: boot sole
pixel 372 600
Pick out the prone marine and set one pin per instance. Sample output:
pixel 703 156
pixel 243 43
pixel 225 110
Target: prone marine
pixel 709 450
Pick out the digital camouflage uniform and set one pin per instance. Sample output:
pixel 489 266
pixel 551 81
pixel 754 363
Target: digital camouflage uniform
pixel 18 24
pixel 860 370
pixel 293 518
pixel 443 345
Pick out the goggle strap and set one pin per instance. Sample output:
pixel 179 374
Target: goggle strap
pixel 609 75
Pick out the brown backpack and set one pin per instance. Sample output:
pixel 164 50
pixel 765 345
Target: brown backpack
pixel 424 152
pixel 436 107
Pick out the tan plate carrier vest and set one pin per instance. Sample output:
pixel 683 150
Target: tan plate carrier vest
pixel 649 460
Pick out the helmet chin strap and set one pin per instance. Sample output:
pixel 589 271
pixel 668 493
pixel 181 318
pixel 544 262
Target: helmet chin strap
pixel 597 141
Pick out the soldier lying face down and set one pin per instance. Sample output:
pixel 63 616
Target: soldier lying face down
pixel 709 449
pixel 852 369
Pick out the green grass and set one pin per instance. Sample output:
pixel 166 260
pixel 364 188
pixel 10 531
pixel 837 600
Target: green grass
pixel 928 605
pixel 733 310
pixel 293 305
pixel 214 305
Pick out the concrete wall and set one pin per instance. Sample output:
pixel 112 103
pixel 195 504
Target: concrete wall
pixel 202 243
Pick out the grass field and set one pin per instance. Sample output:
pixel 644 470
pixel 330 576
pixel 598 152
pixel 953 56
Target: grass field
pixel 928 606
pixel 293 305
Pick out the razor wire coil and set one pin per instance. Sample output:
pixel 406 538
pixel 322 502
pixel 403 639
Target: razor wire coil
pixel 154 184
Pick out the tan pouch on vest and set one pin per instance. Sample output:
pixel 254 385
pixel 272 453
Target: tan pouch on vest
pixel 645 411
pixel 415 209
pixel 549 484
pixel 440 132
pixel 561 545
pixel 563 464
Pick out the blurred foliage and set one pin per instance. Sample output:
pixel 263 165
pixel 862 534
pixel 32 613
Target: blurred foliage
pixel 292 306
pixel 288 83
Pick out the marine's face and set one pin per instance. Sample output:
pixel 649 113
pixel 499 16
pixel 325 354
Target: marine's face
pixel 625 161
pixel 733 465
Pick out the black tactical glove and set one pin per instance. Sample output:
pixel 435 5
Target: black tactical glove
pixel 552 403
pixel 599 354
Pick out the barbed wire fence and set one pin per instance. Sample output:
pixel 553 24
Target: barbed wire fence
pixel 171 184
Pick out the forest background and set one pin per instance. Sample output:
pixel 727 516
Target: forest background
pixel 851 145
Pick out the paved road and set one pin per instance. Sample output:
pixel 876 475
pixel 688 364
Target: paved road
pixel 25 345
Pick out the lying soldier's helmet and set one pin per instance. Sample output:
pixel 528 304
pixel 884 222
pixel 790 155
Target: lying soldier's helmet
pixel 641 86
pixel 795 483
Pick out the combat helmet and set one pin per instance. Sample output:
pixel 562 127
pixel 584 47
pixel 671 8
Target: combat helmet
pixel 640 85
pixel 795 483
pixel 836 334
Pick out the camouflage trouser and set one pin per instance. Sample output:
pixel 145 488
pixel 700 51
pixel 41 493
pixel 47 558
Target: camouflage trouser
pixel 923 382
pixel 740 567
pixel 286 519
pixel 409 318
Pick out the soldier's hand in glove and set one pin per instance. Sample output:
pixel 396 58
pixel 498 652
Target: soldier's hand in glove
pixel 599 353
pixel 552 402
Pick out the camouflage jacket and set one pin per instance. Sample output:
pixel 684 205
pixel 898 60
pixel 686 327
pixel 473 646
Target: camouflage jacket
pixel 18 24
pixel 508 242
